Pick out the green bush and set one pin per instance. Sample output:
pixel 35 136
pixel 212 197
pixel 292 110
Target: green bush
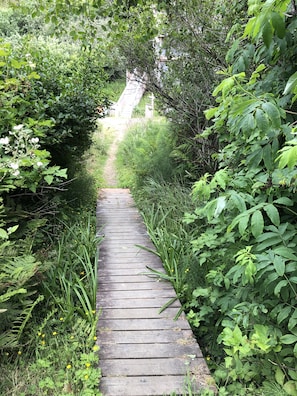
pixel 146 153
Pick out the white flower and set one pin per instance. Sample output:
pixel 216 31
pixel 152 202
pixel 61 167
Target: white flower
pixel 39 164
pixel 18 127
pixel 35 140
pixel 14 165
pixel 32 65
pixel 16 173
pixel 4 140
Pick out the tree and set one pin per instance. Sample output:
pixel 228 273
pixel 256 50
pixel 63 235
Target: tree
pixel 180 45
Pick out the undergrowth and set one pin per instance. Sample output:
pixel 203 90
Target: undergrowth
pixel 234 272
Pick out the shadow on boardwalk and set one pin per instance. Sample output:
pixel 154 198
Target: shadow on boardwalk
pixel 142 352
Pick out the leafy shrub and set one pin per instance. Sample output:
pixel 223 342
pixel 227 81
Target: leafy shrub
pixel 145 153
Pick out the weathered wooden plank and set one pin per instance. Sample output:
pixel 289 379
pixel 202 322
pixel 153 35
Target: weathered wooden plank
pixel 108 303
pixel 132 278
pixel 139 386
pixel 125 272
pixel 148 351
pixel 150 336
pixel 141 285
pixel 155 367
pixel 138 294
pixel 140 313
pixel 144 324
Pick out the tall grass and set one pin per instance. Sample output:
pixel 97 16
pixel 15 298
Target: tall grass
pixel 61 354
pixel 96 156
pixel 146 153
pixel 71 282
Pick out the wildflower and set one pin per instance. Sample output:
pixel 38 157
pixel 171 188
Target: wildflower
pixel 86 377
pixel 39 334
pixel 88 365
pixel 68 366
pixel 14 165
pixel 61 319
pixel 208 358
pixel 43 342
pixel 71 337
pixel 95 338
pixel 82 273
pixel 18 127
pixel 54 333
pixel 39 164
pixel 42 335
pixel 34 140
pixel 32 65
pixel 95 348
pixel 19 352
pixel 187 270
pixel 16 173
pixel 4 140
pixel 93 312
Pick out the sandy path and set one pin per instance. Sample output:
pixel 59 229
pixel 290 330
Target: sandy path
pixel 117 127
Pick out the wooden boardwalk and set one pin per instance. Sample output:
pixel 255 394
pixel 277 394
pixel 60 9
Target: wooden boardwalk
pixel 142 352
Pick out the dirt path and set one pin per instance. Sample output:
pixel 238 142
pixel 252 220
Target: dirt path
pixel 117 127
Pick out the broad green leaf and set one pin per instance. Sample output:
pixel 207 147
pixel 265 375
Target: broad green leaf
pixel 248 123
pixel 273 113
pixel 49 179
pixel 284 314
pixel 284 201
pixel 279 376
pixel 288 157
pixel 272 213
pixel 224 86
pixel 220 178
pixel 267 34
pixel 268 242
pixel 279 24
pixel 3 234
pixel 279 265
pixel 12 229
pixel 279 286
pixel 243 223
pixel 267 157
pixel 293 321
pixel 237 201
pixel 210 113
pixel 262 120
pixel 257 223
pixel 249 27
pixel 286 253
pixel 290 388
pixel 291 84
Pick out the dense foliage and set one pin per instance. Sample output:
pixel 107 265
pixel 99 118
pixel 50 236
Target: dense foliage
pixel 180 53
pixel 50 89
pixel 232 258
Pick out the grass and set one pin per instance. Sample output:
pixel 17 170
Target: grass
pixel 59 355
pixel 97 154
pixel 146 100
pixel 115 89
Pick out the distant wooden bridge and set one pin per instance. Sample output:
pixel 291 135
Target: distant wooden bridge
pixel 142 352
